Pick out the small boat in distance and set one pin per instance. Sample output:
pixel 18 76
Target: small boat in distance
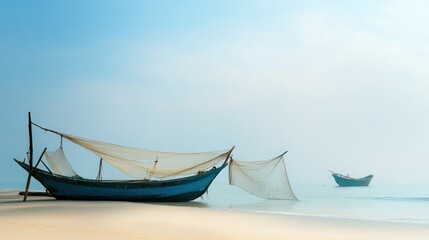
pixel 346 181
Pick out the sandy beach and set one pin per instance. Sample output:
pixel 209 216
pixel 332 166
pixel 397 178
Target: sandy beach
pixel 46 218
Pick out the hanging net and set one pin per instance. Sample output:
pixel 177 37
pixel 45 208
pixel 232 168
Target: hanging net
pixel 58 162
pixel 267 179
pixel 144 164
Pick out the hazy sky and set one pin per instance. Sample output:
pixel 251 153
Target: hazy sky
pixel 342 85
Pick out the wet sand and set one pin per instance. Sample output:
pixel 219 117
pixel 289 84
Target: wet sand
pixel 46 218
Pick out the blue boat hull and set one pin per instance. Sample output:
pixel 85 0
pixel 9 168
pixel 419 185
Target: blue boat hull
pixel 343 181
pixel 176 190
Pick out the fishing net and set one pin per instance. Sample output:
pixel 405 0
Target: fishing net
pixel 58 162
pixel 267 179
pixel 143 164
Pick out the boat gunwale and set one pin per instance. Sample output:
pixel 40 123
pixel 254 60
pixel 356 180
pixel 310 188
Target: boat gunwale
pixel 131 182
pixel 351 178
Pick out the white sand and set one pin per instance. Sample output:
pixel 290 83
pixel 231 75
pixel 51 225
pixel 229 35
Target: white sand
pixel 45 218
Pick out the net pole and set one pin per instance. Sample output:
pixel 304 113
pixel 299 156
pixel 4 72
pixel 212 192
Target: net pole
pixel 100 169
pixel 40 158
pixel 229 154
pixel 30 172
pixel 281 155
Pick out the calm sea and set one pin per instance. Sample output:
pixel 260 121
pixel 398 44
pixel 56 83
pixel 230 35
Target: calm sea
pixel 379 203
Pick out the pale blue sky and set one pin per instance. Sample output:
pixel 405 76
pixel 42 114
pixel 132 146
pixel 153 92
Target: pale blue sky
pixel 342 85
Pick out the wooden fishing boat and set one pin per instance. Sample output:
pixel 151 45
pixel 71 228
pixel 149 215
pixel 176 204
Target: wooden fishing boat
pixel 174 190
pixel 346 181
pixel 156 176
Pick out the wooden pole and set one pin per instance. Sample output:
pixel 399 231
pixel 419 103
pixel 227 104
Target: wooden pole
pixel 100 169
pixel 230 165
pixel 30 173
pixel 229 154
pixel 40 158
pixel 282 154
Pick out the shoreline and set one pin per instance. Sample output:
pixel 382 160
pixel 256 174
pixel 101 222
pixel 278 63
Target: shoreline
pixel 47 218
pixel 195 203
pixel 311 215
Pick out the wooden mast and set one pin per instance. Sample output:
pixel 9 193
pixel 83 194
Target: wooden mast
pixel 30 154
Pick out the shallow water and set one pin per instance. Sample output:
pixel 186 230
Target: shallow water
pixel 379 203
